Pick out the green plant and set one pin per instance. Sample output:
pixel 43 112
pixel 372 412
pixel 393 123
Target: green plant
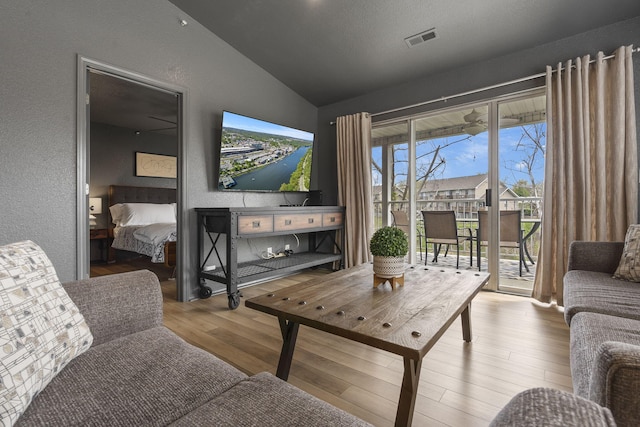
pixel 389 241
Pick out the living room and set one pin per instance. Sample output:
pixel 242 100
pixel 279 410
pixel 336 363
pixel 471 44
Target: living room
pixel 41 42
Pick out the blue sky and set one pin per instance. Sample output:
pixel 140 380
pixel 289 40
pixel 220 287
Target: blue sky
pixel 247 123
pixel 470 156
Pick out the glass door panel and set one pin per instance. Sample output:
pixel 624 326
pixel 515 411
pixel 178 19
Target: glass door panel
pixel 391 188
pixel 521 141
pixel 451 175
pixel 376 190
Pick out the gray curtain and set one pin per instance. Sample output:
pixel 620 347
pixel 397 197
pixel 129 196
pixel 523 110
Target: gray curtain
pixel 591 171
pixel 354 185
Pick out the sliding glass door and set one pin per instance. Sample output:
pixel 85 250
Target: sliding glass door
pixel 521 141
pixel 474 161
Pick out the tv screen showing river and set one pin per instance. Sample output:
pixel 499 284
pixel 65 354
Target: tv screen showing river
pixel 260 156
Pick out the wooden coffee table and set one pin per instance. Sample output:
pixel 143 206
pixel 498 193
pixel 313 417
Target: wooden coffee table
pixel 407 321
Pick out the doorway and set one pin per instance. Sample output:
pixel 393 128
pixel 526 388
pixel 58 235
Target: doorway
pixel 120 114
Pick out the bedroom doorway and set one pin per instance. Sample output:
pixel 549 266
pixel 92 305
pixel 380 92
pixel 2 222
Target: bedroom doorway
pixel 123 116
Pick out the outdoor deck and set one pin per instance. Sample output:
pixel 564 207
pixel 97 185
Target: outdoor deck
pixel 509 277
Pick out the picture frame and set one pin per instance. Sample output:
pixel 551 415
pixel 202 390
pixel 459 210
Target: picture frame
pixel 156 165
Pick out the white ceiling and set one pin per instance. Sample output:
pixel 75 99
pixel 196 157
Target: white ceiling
pixel 332 50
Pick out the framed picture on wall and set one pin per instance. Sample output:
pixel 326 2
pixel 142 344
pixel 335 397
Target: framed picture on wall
pixel 156 165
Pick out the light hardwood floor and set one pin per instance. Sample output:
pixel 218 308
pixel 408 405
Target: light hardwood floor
pixel 517 344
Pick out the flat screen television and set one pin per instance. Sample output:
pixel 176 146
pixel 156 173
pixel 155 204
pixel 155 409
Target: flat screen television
pixel 256 155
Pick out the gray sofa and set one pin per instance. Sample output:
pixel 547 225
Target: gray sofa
pixel 603 314
pixel 139 373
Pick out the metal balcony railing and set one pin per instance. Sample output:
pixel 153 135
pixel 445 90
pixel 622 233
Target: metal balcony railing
pixel 467 215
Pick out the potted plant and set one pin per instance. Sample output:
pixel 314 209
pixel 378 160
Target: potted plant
pixel 388 246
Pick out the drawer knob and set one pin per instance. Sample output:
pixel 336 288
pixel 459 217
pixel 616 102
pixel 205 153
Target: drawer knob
pixel 287 222
pixel 310 220
pixel 256 224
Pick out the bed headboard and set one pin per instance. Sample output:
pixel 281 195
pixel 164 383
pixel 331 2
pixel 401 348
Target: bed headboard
pixel 128 194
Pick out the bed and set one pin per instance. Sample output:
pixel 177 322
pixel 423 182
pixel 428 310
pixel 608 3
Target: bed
pixel 143 220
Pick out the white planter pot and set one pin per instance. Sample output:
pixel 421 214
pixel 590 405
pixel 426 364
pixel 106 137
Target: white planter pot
pixel 387 267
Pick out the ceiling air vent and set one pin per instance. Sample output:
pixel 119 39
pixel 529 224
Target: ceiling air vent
pixel 421 38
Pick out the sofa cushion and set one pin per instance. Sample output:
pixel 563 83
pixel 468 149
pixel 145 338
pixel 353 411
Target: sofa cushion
pixel 41 329
pixel 118 304
pixel 599 293
pixel 589 331
pixel 551 408
pixel 148 378
pixel 605 362
pixel 265 400
pixel 629 267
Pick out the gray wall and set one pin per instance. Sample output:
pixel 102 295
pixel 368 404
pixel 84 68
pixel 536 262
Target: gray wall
pixel 474 76
pixel 39 44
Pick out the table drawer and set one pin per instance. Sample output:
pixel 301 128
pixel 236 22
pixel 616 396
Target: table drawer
pixel 255 224
pixel 332 219
pixel 290 222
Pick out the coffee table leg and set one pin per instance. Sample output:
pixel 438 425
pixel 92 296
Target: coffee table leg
pixel 408 393
pixel 466 323
pixel 289 332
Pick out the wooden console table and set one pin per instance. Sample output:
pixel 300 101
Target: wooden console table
pixel 320 223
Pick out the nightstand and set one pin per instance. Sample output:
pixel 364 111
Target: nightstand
pixel 102 236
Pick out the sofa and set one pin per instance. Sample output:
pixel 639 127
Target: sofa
pixel 111 362
pixel 603 314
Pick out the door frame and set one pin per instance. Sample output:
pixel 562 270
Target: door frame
pixel 84 66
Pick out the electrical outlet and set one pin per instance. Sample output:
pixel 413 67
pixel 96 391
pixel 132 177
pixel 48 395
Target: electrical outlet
pixel 286 247
pixel 270 251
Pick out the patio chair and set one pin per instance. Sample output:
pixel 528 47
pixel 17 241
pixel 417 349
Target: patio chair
pixel 440 228
pixel 511 234
pixel 401 221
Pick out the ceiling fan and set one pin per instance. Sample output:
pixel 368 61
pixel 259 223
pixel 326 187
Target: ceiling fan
pixel 473 124
pixel 477 122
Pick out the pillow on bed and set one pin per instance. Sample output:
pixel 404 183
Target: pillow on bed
pixel 116 213
pixel 146 213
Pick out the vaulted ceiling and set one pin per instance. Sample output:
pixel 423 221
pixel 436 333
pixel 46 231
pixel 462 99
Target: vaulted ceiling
pixel 332 50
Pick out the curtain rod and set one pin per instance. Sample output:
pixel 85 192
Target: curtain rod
pixel 474 91
pixel 471 92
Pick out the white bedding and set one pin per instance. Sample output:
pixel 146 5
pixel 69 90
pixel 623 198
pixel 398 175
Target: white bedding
pixel 146 240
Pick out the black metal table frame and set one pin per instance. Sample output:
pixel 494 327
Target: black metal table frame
pixel 230 276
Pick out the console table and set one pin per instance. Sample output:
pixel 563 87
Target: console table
pixel 320 223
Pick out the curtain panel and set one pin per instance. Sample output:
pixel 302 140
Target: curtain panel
pixel 591 171
pixel 354 185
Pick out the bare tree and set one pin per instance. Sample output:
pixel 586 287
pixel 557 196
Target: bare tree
pixel 427 163
pixel 532 144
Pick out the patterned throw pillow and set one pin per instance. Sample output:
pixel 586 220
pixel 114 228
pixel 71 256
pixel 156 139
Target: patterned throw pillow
pixel 629 267
pixel 41 329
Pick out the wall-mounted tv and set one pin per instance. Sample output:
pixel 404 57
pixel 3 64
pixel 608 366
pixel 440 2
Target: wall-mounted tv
pixel 256 155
